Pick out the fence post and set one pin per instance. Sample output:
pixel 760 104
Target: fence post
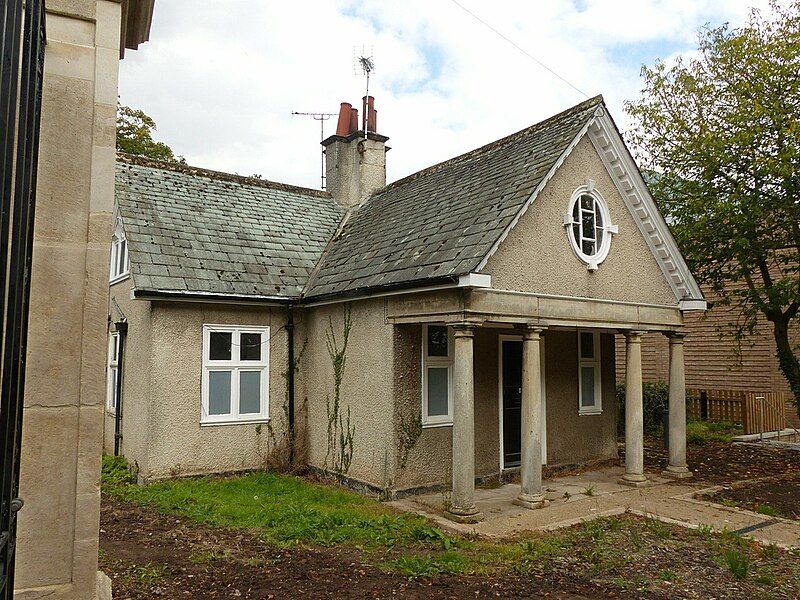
pixel 760 400
pixel 704 406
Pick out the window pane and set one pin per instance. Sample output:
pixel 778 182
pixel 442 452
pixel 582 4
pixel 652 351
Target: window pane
pixel 587 386
pixel 437 340
pixel 598 215
pixel 576 231
pixel 587 203
pixel 121 257
pixel 220 345
pixel 219 392
pixel 587 247
pixel 250 346
pixel 437 391
pixel 576 210
pixel 249 392
pixel 588 225
pixel 587 345
pixel 113 388
pixel 599 236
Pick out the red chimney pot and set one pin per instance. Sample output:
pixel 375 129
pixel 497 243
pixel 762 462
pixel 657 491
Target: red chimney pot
pixel 343 124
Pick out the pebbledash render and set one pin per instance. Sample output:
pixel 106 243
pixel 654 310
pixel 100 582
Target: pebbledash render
pixel 453 325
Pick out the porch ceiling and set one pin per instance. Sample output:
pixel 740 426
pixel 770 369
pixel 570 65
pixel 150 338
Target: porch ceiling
pixel 496 306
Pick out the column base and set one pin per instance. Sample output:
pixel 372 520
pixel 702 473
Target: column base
pixel 472 515
pixel 677 472
pixel 634 480
pixel 531 501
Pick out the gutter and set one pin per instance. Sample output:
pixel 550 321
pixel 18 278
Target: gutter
pixel 137 294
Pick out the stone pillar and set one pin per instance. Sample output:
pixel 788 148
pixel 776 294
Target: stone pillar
pixel 634 411
pixel 677 409
pixel 462 501
pixel 531 462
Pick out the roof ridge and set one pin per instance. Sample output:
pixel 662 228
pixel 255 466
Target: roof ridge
pixel 178 167
pixel 491 145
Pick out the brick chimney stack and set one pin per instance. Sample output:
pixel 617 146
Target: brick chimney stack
pixel 355 159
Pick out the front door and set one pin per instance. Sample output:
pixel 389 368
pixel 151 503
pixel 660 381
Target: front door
pixel 511 402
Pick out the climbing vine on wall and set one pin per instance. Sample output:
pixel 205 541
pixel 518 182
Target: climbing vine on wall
pixel 410 431
pixel 339 454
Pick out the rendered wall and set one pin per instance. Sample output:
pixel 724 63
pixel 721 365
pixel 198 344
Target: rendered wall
pixel 137 377
pixel 537 256
pixel 65 391
pixel 366 388
pixel 175 443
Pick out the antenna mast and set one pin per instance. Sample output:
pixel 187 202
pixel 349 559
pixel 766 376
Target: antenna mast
pixel 321 117
pixel 367 65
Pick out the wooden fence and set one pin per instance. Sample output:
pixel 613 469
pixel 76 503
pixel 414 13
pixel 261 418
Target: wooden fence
pixel 755 411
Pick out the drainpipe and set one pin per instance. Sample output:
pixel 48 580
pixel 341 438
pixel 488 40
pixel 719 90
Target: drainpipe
pixel 290 378
pixel 122 329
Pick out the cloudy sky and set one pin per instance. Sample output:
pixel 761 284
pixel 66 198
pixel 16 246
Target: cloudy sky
pixel 221 77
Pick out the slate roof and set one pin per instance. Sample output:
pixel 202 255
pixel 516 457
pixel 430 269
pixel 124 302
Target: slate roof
pixel 442 221
pixel 203 232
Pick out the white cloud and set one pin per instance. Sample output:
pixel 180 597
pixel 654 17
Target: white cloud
pixel 221 82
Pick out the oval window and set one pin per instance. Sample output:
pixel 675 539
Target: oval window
pixel 589 227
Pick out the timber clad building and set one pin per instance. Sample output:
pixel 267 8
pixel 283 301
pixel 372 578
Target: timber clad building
pixel 452 325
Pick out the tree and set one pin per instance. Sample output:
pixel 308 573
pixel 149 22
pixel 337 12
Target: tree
pixel 722 131
pixel 135 136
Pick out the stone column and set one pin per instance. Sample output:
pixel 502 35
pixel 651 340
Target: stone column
pixel 634 411
pixel 677 409
pixel 531 462
pixel 462 501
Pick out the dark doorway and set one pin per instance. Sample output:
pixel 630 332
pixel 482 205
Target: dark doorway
pixel 512 401
pixel 21 70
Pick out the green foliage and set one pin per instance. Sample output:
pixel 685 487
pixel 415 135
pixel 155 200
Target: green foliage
pixel 115 473
pixel 721 132
pixel 135 136
pixel 340 431
pixel 410 431
pixel 702 432
pixel 766 509
pixel 738 563
pixel 655 398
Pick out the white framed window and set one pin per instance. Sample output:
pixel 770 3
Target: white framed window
pixel 235 386
pixel 437 375
pixel 588 225
pixel 112 372
pixel 589 384
pixel 119 255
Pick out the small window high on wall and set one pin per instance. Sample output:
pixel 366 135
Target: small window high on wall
pixel 235 384
pixel 437 375
pixel 119 254
pixel 589 389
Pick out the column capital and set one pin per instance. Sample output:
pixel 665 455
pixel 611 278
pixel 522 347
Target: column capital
pixel 464 329
pixel 675 337
pixel 634 335
pixel 532 331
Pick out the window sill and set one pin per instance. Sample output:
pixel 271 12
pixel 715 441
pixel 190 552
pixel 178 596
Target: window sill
pixel 119 278
pixel 590 411
pixel 255 421
pixel 433 425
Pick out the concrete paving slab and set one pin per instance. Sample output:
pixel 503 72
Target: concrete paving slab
pixel 666 500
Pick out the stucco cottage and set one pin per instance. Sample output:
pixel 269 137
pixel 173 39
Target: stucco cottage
pixel 452 325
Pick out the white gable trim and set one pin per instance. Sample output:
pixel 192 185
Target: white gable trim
pixel 626 177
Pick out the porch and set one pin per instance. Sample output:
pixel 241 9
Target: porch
pixel 528 320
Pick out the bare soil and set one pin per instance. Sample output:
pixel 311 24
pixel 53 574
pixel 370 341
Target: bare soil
pixel 777 496
pixel 151 555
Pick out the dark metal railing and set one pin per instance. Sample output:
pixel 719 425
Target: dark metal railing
pixel 22 62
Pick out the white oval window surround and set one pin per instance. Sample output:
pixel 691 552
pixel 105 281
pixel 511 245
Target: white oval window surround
pixel 588 225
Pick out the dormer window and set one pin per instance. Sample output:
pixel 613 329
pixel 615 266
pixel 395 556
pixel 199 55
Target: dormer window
pixel 589 225
pixel 119 254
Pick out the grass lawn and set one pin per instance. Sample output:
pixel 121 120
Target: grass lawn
pixel 620 554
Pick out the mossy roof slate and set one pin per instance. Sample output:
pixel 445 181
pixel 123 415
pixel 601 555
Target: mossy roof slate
pixel 441 222
pixel 204 232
